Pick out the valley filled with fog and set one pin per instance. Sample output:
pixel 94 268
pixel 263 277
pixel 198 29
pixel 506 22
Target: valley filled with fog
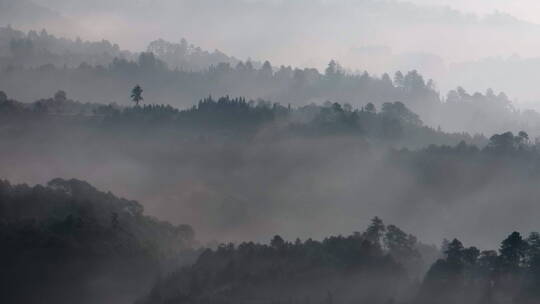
pixel 251 151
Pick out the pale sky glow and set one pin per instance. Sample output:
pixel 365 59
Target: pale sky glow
pixel 528 10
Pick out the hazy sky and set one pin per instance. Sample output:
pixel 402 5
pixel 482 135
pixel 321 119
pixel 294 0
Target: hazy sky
pixel 302 32
pixel 379 36
pixel 528 10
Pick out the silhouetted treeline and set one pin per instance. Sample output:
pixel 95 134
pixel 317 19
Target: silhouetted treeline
pixel 177 74
pixel 236 117
pixel 381 265
pixel 469 275
pixel 68 242
pixel 33 49
pixel 236 166
pixel 186 56
pixel 468 172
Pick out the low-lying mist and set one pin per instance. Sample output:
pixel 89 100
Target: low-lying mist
pixel 374 144
pixel 233 185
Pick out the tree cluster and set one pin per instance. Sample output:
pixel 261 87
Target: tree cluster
pixel 62 239
pixel 375 266
pixel 381 265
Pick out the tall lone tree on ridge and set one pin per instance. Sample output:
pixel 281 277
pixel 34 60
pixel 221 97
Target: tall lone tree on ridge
pixel 136 95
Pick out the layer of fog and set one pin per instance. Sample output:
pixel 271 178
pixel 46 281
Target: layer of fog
pixel 523 9
pixel 304 32
pixel 373 35
pixel 300 187
pixel 296 187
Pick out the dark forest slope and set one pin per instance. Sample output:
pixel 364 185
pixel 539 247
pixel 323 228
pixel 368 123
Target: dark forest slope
pixel 68 242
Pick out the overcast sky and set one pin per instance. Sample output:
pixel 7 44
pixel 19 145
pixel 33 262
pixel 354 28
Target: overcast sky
pixel 528 10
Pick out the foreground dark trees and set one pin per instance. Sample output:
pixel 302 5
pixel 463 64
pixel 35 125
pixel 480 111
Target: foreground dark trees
pixel 359 268
pixel 468 275
pixel 382 265
pixel 70 243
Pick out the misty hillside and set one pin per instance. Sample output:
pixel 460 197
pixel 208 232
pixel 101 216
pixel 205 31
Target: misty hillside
pixel 239 118
pixel 33 50
pixel 115 72
pixel 256 139
pixel 178 73
pixel 337 269
pixel 379 265
pixel 67 241
pixel 376 35
pixel 510 74
pixel 237 170
pixel 374 22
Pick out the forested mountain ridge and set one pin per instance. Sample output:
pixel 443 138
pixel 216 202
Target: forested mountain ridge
pixel 67 241
pixel 32 65
pixel 237 117
pixel 34 49
pixel 460 111
pixel 381 265
pixel 245 174
pixel 242 167
pixel 39 48
pixel 337 269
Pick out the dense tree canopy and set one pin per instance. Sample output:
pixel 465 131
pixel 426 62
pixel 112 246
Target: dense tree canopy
pixel 358 268
pixel 341 269
pixel 60 240
pixel 394 123
pixel 179 73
